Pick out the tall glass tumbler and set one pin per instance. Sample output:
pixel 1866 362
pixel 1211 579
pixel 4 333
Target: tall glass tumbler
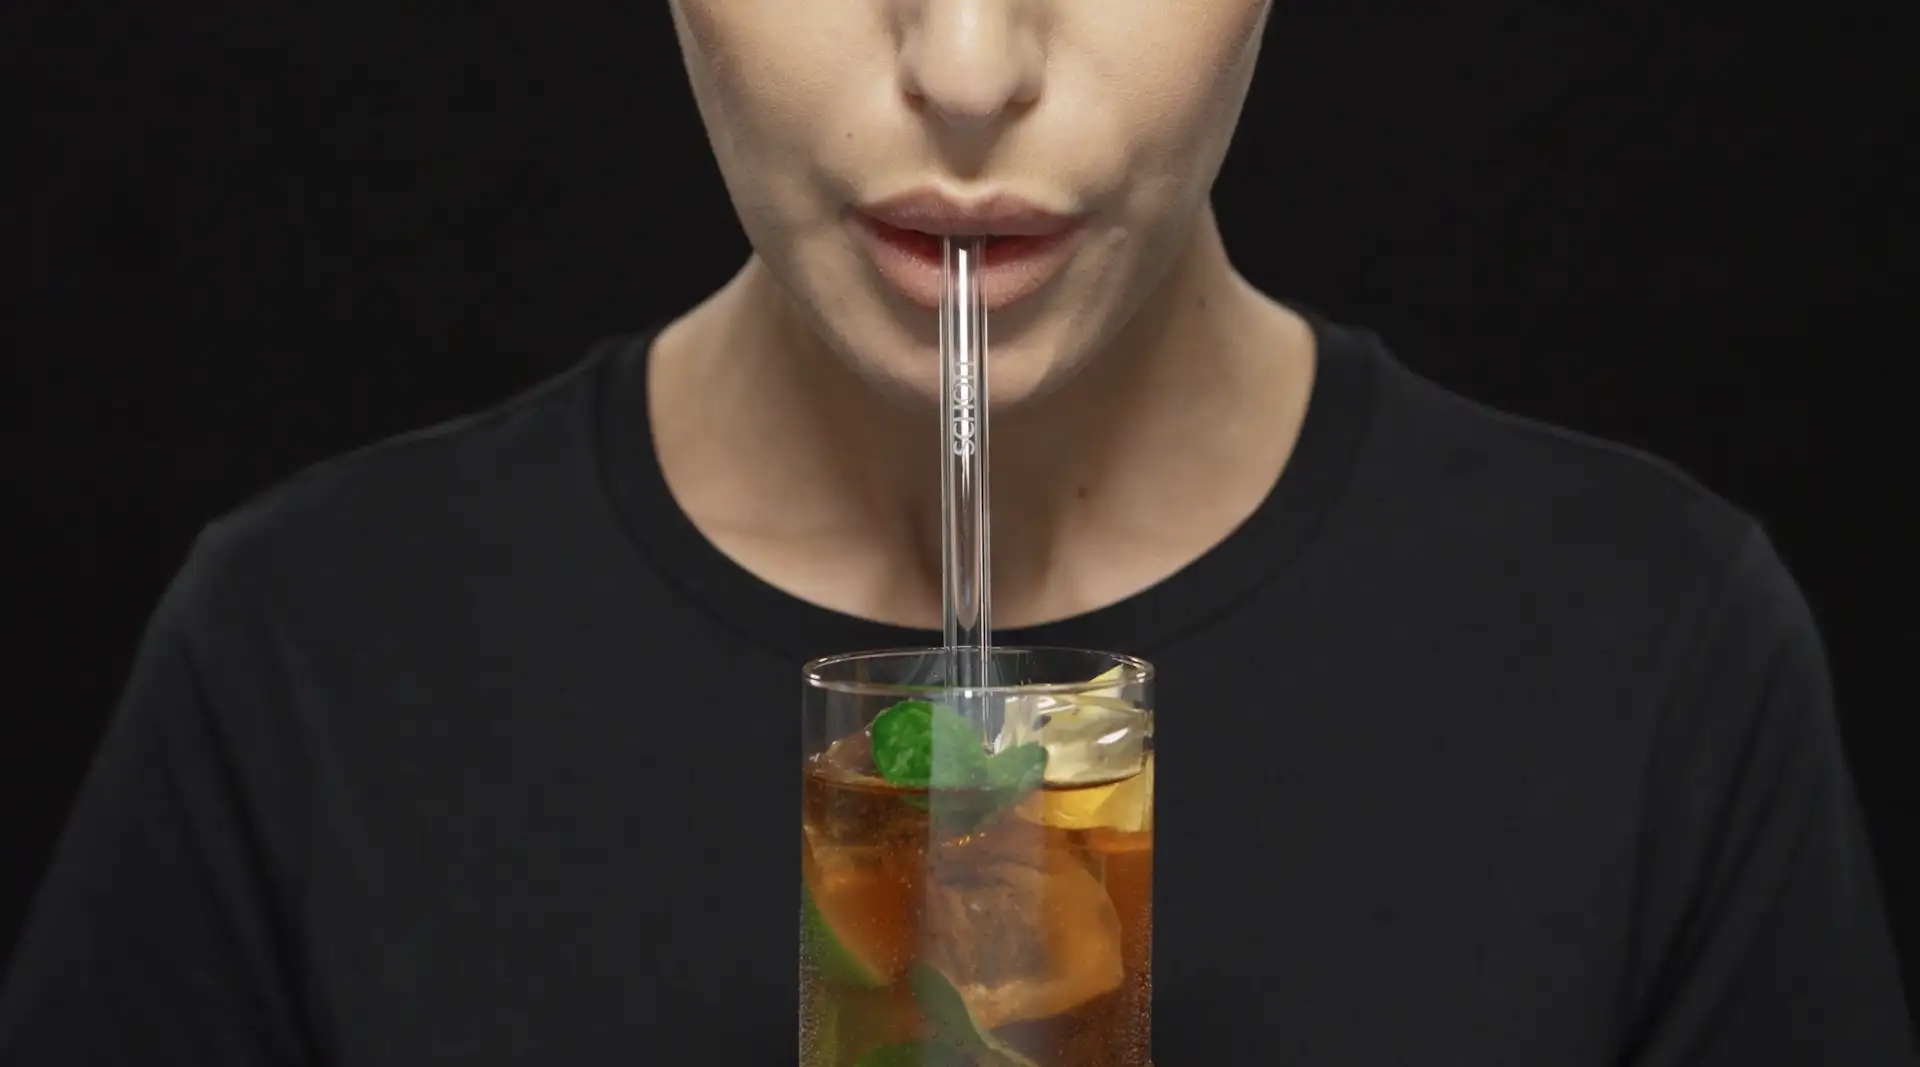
pixel 976 892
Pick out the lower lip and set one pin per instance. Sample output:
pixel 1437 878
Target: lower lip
pixel 1013 268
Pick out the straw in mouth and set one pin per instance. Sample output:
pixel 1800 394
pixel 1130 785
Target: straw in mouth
pixel 932 246
pixel 965 552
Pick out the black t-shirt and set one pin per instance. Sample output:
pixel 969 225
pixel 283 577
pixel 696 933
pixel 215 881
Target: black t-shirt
pixel 1480 743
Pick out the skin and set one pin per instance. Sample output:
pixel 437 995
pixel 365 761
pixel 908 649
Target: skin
pixel 1144 401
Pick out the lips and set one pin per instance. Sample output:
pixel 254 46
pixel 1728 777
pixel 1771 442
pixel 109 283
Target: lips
pixel 1025 245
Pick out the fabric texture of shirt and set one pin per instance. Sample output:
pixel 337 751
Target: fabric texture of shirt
pixel 1480 742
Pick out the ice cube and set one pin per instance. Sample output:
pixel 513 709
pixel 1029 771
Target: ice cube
pixel 1022 933
pixel 1089 737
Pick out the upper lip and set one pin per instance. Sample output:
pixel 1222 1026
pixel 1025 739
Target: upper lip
pixel 933 212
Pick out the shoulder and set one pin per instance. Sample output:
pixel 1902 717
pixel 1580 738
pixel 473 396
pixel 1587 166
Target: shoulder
pixel 450 493
pixel 1539 493
pixel 1586 543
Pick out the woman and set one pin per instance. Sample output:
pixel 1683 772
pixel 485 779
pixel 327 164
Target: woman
pixel 1486 743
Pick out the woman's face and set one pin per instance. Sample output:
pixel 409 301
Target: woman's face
pixel 1081 137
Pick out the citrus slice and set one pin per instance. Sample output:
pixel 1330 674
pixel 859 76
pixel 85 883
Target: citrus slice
pixel 838 962
pixel 1123 805
pixel 856 911
pixel 1090 737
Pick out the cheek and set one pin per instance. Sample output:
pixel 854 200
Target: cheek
pixel 1176 74
pixel 763 75
pixel 764 72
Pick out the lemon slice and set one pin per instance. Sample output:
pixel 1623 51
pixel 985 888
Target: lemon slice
pixel 1096 747
pixel 1090 737
pixel 1123 805
pixel 829 950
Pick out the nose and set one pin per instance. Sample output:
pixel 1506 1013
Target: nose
pixel 972 62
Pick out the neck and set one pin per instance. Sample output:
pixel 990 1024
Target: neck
pixel 805 474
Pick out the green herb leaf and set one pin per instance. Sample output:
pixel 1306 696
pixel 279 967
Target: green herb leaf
pixel 922 745
pixel 912 1054
pixel 1018 770
pixel 954 1025
pixel 959 757
pixel 919 744
pixel 901 740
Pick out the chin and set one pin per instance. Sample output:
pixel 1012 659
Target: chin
pixel 1017 373
pixel 1033 348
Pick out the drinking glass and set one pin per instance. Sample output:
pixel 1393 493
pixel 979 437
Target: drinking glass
pixel 976 865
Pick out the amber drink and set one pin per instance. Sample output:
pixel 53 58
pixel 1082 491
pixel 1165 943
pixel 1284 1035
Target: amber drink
pixel 976 867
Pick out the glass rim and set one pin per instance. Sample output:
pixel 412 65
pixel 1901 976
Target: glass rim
pixel 1134 671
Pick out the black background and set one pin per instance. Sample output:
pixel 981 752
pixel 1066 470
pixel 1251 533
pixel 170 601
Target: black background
pixel 240 238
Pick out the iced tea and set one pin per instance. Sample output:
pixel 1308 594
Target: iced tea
pixel 988 924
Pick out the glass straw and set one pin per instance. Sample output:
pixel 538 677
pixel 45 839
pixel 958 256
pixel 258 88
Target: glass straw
pixel 965 583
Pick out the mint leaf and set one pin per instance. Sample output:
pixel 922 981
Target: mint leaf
pixel 959 760
pixel 901 741
pixel 946 1013
pixel 954 1026
pixel 1018 770
pixel 922 745
pixel 918 744
pixel 912 1054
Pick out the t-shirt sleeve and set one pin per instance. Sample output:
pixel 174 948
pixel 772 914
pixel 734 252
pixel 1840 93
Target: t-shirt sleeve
pixel 1761 937
pixel 155 937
